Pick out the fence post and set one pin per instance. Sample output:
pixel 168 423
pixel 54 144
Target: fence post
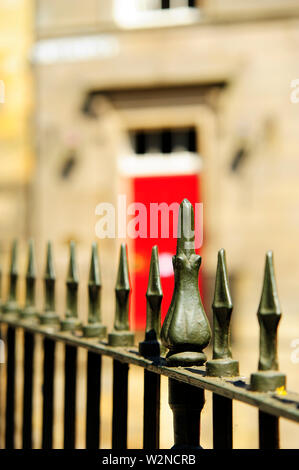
pixel 150 348
pixel 222 364
pixel 48 317
pixel 186 332
pixel 28 312
pixel 268 378
pixel 94 328
pixel 121 336
pixel 11 306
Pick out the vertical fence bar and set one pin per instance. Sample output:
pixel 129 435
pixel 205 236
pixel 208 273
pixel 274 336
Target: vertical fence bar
pixel 48 393
pixel 150 348
pixel 120 405
pixel 48 317
pixel 222 364
pixel 186 403
pixel 222 422
pixel 70 375
pixel 268 378
pixel 2 352
pixel 94 328
pixel 268 431
pixel 186 332
pixel 151 410
pixel 28 390
pixel 121 336
pixel 94 365
pixel 10 388
pixel 28 312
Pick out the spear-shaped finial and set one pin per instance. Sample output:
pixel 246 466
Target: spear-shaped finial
pixel 222 364
pixel 29 310
pixel 11 305
pixel 150 347
pixel 186 330
pixel 49 316
pixel 94 328
pixel 121 335
pixel 268 378
pixel 71 321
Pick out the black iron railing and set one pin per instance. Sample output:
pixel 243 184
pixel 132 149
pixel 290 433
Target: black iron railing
pixel 175 352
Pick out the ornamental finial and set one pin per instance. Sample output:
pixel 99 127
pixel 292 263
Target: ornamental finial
pixel 94 327
pixel 269 313
pixel 29 310
pixel 222 364
pixel 121 335
pixel 11 305
pixel 186 330
pixel 71 321
pixel 49 316
pixel 150 347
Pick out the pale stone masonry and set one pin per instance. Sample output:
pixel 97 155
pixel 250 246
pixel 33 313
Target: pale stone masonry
pixel 247 129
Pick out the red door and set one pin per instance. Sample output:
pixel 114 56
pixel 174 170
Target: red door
pixel 158 189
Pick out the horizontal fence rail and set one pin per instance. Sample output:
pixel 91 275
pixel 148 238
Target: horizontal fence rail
pixel 176 351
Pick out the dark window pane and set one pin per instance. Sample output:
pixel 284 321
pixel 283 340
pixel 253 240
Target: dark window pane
pixel 153 142
pixel 166 141
pixel 139 142
pixel 192 140
pixel 180 141
pixel 165 4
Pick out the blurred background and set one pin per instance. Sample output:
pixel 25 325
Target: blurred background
pixel 156 100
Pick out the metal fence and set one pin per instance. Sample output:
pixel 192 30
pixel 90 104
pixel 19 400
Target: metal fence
pixel 175 351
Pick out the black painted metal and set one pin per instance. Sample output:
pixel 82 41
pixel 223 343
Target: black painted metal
pixel 70 378
pixel 185 333
pixel 186 403
pixel 222 422
pixel 94 365
pixel 48 393
pixel 151 410
pixel 28 390
pixel 10 388
pixel 268 431
pixel 120 405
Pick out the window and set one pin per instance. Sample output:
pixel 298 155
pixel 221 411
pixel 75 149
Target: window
pixel 145 5
pixel 150 13
pixel 164 141
pixel 161 152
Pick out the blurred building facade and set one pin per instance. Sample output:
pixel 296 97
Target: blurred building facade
pixel 223 69
pixel 16 111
